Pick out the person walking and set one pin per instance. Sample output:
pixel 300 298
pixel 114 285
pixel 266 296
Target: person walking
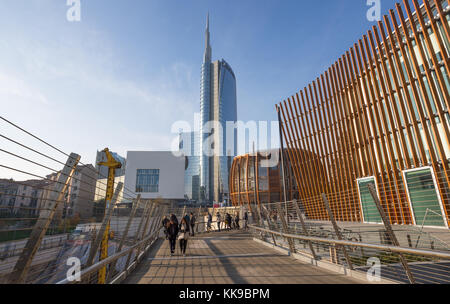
pixel 165 222
pixel 184 235
pixel 172 231
pixel 245 220
pixel 228 221
pixel 188 219
pixel 192 223
pixel 236 221
pixel 173 218
pixel 208 227
pixel 218 220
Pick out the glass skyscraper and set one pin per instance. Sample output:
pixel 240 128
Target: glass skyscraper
pixel 218 106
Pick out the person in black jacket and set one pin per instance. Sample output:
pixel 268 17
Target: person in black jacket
pixel 173 218
pixel 245 220
pixel 192 222
pixel 172 231
pixel 236 221
pixel 165 222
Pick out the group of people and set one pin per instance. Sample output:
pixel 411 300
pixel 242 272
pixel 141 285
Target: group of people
pixel 230 221
pixel 182 231
pixel 179 231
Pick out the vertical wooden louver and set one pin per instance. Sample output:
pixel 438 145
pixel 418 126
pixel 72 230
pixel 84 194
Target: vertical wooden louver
pixel 380 110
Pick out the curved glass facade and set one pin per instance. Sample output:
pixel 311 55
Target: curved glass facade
pixel 265 186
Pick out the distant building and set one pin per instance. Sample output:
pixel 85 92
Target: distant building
pixel 103 171
pixel 218 103
pixel 22 197
pixel 155 175
pixel 189 146
pixel 252 181
pixel 79 198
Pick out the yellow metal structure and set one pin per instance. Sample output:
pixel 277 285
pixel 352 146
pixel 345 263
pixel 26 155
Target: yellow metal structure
pixel 112 165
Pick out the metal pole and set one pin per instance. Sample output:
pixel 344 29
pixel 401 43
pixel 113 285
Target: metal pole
pixel 285 228
pixel 45 217
pixel 125 234
pixel 143 216
pixel 305 231
pixel 391 233
pixel 150 215
pixel 98 239
pixel 282 164
pixel 336 230
pixel 269 223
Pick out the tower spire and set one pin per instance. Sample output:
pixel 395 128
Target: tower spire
pixel 208 51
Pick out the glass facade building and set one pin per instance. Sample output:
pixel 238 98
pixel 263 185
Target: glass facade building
pixel 218 105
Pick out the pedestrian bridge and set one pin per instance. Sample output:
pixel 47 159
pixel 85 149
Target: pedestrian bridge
pixel 228 258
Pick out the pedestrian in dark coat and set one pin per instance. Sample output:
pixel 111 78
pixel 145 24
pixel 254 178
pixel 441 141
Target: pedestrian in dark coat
pixel 165 222
pixel 192 222
pixel 172 231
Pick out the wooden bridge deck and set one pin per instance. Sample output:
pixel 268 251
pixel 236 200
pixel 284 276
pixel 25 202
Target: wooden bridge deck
pixel 228 258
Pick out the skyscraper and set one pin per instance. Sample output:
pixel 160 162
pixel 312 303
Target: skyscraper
pixel 218 105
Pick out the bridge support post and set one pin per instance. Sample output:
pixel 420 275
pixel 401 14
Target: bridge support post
pixel 336 230
pixel 136 237
pixel 391 233
pixel 124 236
pixel 147 221
pixel 269 222
pixel 101 233
pixel 45 217
pixel 305 231
pixel 285 227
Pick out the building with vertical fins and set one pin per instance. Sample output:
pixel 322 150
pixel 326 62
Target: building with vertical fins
pixel 378 123
pixel 218 105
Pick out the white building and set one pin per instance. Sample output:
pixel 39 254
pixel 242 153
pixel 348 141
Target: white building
pixel 155 175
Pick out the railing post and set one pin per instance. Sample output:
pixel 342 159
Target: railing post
pixel 45 217
pixel 269 222
pixel 150 215
pixel 198 218
pixel 136 237
pixel 391 233
pixel 124 236
pixel 305 231
pixel 285 227
pixel 96 244
pixel 336 230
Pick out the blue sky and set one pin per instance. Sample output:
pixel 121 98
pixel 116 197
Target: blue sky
pixel 129 69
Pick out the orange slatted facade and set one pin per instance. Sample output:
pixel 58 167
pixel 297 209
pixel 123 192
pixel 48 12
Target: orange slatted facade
pixel 381 113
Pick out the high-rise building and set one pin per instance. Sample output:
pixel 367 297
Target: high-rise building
pixel 218 105
pixel 189 146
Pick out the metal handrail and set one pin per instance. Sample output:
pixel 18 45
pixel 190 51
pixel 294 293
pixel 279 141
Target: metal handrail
pixel 95 267
pixel 429 253
pixel 111 259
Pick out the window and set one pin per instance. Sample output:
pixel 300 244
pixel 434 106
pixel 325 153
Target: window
pixel 423 197
pixel 368 206
pixel 147 181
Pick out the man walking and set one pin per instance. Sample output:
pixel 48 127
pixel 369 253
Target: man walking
pixel 245 220
pixel 192 222
pixel 172 231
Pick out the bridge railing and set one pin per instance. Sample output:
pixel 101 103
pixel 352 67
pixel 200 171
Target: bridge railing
pixel 403 254
pixel 41 239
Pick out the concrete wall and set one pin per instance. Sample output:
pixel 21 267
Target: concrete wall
pixel 171 173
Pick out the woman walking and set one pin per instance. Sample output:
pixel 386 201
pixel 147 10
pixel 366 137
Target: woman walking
pixel 184 235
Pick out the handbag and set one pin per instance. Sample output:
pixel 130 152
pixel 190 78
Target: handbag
pixel 181 236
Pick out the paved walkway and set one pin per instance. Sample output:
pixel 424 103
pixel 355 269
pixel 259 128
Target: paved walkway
pixel 228 258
